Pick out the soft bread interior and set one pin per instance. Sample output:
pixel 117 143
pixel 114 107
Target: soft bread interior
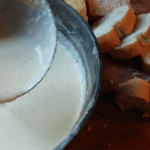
pixel 106 23
pixel 142 27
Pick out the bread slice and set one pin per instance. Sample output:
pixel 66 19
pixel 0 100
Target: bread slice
pixel 133 44
pixel 80 6
pixel 100 8
pixel 76 4
pixel 94 11
pixel 108 41
pixel 133 94
pixel 83 12
pixel 113 26
pixel 127 51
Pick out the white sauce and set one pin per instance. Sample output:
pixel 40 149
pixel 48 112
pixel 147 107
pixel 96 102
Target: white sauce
pixel 42 118
pixel 27 43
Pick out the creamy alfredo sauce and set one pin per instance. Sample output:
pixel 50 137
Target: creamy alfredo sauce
pixel 27 43
pixel 42 118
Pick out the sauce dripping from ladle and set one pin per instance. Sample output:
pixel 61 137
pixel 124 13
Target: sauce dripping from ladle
pixel 27 45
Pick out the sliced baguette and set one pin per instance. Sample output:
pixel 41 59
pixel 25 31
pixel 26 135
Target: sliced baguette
pixel 116 25
pixel 80 6
pixel 108 40
pixel 133 94
pixel 126 51
pixel 100 8
pixel 76 4
pixel 126 25
pixel 83 12
pixel 133 44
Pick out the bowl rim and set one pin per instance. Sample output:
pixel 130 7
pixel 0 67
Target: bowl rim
pixel 94 100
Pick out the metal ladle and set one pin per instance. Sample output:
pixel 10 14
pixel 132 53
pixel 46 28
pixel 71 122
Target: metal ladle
pixel 30 18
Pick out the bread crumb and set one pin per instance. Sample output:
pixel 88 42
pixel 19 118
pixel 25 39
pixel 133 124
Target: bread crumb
pixel 105 126
pixel 108 144
pixel 146 115
pixel 111 82
pixel 89 128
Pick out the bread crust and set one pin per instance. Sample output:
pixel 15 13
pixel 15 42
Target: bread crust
pixel 80 6
pixel 100 8
pixel 76 4
pixel 122 28
pixel 126 52
pixel 125 26
pixel 108 41
pixel 93 10
pixel 142 36
pixel 83 12
pixel 133 94
pixel 136 88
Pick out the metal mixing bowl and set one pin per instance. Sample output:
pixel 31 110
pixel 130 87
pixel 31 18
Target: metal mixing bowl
pixel 76 29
